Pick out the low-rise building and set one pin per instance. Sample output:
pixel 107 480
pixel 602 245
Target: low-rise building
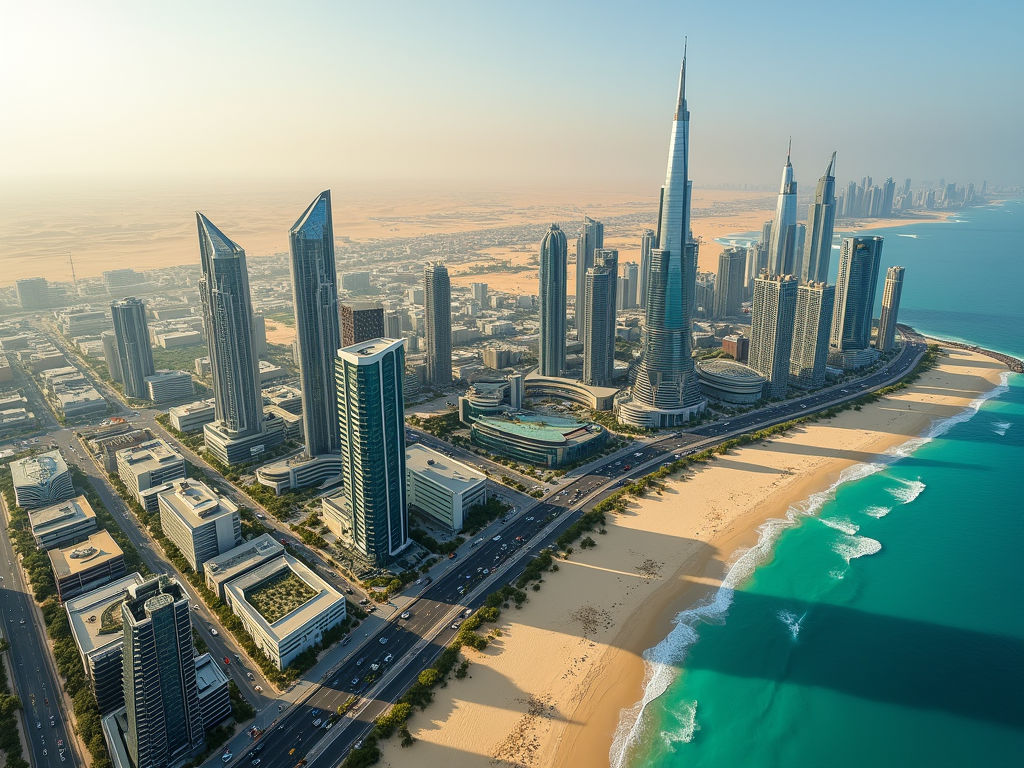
pixel 199 522
pixel 214 696
pixel 269 371
pixel 169 385
pixel 149 465
pixel 75 402
pixel 192 417
pixel 98 630
pixel 285 607
pixel 84 567
pixel 239 561
pixel 63 524
pixel 284 396
pixel 106 446
pixel 440 487
pixel 293 429
pixel 177 339
pixel 729 381
pixel 574 390
pixel 41 480
pixel 538 439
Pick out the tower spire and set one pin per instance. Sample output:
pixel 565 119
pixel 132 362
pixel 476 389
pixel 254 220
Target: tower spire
pixel 831 165
pixel 789 151
pixel 681 101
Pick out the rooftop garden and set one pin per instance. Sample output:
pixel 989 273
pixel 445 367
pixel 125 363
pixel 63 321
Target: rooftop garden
pixel 279 595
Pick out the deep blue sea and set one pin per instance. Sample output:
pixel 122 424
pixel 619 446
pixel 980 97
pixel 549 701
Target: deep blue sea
pixel 882 624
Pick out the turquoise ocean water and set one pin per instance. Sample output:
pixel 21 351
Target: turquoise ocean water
pixel 881 623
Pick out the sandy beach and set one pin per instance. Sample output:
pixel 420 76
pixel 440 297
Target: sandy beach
pixel 549 691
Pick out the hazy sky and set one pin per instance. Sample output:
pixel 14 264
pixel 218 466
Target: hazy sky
pixel 511 91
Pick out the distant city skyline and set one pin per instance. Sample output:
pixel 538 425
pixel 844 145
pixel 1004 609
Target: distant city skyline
pixel 474 78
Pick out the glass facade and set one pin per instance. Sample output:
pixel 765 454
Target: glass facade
pixel 134 352
pixel 553 268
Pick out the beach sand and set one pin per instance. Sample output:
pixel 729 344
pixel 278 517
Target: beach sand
pixel 550 689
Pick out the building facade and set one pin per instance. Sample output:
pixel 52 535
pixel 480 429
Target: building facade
pixel 856 283
pixel 782 253
pixel 237 433
pixel 771 330
pixel 63 524
pixel 164 386
pixel 648 242
pixel 438 317
pixel 665 392
pixel 149 466
pixel 201 524
pixel 820 222
pixel 440 488
pixel 812 326
pixel 315 289
pixel 890 309
pixel 134 352
pixel 161 696
pixel 554 258
pixel 86 566
pixel 599 324
pixel 590 240
pixel 732 267
pixel 41 480
pixel 370 380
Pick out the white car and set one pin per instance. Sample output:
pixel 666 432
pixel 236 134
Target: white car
pixel 638 454
pixel 496 538
pixel 226 757
pixel 214 632
pixel 405 615
pixel 388 658
pixel 383 641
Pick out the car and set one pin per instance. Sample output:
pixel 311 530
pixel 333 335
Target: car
pixel 372 609
pixel 530 519
pixel 315 712
pixel 486 571
pixel 349 591
pixel 358 744
pixel 259 516
pixel 355 681
pixel 316 724
pixel 22 621
pixel 468 612
pixel 430 579
pixel 383 641
pixel 256 761
pixel 52 723
pixel 38 725
pixel 195 606
pixel 638 454
pixel 258 688
pixel 374 667
pixel 470 575
pixel 347 640
pixel 479 569
pixel 452 555
pixel 405 615
pixel 388 658
pixel 227 660
pixel 504 546
pixel 360 662
pixel 496 538
pixel 214 632
pixel 364 601
pixel 60 742
pixel 456 624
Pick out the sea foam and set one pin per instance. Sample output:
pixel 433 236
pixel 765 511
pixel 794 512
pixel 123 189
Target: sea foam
pixel 851 547
pixel 792 621
pixel 1001 427
pixel 907 490
pixel 877 512
pixel 663 660
pixel 843 524
pixel 687 717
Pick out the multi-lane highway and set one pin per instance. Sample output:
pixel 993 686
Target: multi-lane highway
pixel 379 671
pixel 47 726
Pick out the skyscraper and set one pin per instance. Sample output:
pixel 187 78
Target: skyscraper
pixel 110 355
pixel 771 330
pixel 811 326
pixel 554 257
pixel 732 267
pixel 362 321
pixel 160 692
pixel 438 316
pixel 859 261
pixel 665 392
pixel 648 242
pixel 370 380
pixel 782 255
pixel 599 310
pixel 315 290
pixel 629 283
pixel 820 220
pixel 238 431
pixel 890 309
pixel 589 241
pixel 134 353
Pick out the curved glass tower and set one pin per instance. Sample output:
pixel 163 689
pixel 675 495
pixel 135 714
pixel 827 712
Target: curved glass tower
pixel 782 255
pixel 820 221
pixel 134 352
pixel 553 269
pixel 665 392
pixel 315 287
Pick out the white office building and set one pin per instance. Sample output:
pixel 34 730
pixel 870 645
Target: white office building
pixel 147 468
pixel 199 522
pixel 440 487
pixel 41 480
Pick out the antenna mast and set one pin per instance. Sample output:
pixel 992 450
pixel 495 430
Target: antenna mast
pixel 73 278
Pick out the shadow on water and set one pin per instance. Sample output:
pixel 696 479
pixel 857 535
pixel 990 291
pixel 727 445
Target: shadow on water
pixel 888 659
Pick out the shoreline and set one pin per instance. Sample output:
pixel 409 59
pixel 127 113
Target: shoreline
pixel 551 689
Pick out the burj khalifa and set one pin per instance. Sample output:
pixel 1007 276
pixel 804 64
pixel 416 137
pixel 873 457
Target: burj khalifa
pixel 665 391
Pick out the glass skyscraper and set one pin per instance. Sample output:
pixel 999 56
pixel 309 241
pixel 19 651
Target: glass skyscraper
pixel 665 392
pixel 315 288
pixel 811 326
pixel 890 309
pixel 856 283
pixel 160 691
pixel 782 248
pixel 771 330
pixel 134 352
pixel 437 296
pixel 370 379
pixel 589 241
pixel 238 431
pixel 820 220
pixel 599 307
pixel 553 271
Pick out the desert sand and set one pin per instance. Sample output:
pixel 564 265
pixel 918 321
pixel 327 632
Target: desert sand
pixel 550 689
